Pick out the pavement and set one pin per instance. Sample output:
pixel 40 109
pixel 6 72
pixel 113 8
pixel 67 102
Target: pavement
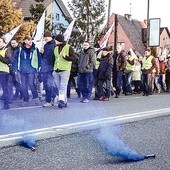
pixel 51 122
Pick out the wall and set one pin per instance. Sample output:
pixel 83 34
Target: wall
pixel 59 23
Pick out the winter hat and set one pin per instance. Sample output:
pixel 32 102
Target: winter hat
pixel 59 38
pixel 105 49
pixel 96 45
pixel 27 37
pixel 47 34
pixel 129 52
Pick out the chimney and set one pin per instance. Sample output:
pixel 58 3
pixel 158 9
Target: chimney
pixel 128 17
pixel 145 21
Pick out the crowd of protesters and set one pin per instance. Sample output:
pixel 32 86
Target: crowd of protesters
pixel 57 68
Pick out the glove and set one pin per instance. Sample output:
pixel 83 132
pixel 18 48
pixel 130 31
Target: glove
pixel 98 59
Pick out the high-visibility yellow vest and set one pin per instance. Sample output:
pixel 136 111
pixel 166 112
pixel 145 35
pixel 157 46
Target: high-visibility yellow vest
pixel 147 62
pixel 3 67
pixel 130 67
pixel 60 63
pixel 99 55
pixel 34 59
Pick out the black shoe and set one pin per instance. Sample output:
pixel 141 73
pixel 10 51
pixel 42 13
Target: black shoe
pixel 96 98
pixel 112 93
pixel 61 104
pixel 78 92
pixel 6 107
pixel 116 96
pixel 15 97
pixel 79 95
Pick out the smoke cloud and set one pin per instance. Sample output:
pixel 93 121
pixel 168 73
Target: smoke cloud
pixel 11 124
pixel 114 146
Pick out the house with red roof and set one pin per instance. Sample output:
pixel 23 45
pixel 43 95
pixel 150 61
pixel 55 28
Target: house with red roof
pixel 131 33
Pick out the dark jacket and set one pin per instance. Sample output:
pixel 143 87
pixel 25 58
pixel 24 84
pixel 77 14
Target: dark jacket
pixel 74 68
pixel 119 61
pixel 25 59
pixel 48 57
pixel 105 68
pixel 87 61
pixel 12 52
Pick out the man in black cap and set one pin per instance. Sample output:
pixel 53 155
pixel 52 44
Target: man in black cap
pixel 64 55
pixel 47 69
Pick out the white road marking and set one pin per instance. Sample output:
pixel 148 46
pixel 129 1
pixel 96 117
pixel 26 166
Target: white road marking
pixel 86 124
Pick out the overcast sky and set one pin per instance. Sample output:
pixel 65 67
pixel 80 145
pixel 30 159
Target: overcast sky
pixel 158 9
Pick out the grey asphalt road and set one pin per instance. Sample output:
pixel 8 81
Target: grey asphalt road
pixel 81 151
pixel 19 119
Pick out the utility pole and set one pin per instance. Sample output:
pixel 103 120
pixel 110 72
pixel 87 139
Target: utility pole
pixel 108 16
pixel 115 33
pixel 148 24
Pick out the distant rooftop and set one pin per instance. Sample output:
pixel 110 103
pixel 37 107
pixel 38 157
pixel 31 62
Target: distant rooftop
pixel 25 5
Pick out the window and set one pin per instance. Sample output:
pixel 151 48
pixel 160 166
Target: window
pixel 57 17
pixel 49 16
pixel 122 44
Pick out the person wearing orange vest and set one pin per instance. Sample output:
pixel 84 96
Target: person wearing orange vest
pixel 148 64
pixel 5 60
pixel 64 55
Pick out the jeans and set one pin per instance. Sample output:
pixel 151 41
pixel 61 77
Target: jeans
pixel 51 89
pixel 85 84
pixel 4 77
pixel 95 83
pixel 104 88
pixel 16 84
pixel 156 82
pixel 117 81
pixel 163 81
pixel 146 78
pixel 128 79
pixel 28 79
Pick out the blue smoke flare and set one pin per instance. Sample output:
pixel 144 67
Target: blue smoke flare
pixel 28 142
pixel 115 146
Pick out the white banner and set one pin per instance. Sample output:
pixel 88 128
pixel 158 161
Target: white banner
pixel 164 54
pixel 10 35
pixel 160 52
pixel 133 53
pixel 68 31
pixel 104 40
pixel 38 34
